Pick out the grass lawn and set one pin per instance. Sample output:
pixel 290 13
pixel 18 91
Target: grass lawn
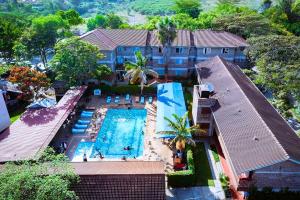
pixel 202 168
pixel 215 154
pixel 15 115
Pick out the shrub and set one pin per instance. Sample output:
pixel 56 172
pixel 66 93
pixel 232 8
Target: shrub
pixel 125 89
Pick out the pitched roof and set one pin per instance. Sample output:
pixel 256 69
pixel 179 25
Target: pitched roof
pixel 36 128
pixel 109 39
pixel 209 38
pixel 254 133
pixel 118 167
pixel 183 38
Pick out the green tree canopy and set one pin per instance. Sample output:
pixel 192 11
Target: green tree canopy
pixel 49 177
pixel 75 60
pixel 179 126
pixel 41 36
pixel 278 61
pixel 190 7
pixel 106 21
pixel 137 71
pixel 71 16
pixel 11 28
pixel 246 25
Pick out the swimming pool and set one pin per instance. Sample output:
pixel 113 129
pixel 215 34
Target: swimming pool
pixel 120 128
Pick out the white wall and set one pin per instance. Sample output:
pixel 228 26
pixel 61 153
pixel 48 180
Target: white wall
pixel 4 116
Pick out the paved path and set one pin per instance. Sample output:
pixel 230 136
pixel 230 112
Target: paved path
pixel 193 193
pixel 200 193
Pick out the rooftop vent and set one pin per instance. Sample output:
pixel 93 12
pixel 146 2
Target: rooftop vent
pixel 255 138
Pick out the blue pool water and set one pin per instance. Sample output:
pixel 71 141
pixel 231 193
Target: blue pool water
pixel 120 128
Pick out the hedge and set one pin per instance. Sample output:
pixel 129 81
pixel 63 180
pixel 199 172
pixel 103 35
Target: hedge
pixel 184 178
pixel 124 89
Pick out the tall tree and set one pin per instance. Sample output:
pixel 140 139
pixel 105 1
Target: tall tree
pixel 42 35
pixel 181 130
pixel 75 60
pixel 190 7
pixel 10 30
pixel 71 16
pixel 278 60
pixel 137 71
pixel 167 34
pixel 291 8
pixel 48 177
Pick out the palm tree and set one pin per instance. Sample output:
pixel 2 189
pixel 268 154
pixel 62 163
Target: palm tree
pixel 138 71
pixel 166 34
pixel 181 131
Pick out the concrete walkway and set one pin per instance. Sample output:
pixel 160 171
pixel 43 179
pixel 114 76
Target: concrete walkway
pixel 204 192
pixel 193 193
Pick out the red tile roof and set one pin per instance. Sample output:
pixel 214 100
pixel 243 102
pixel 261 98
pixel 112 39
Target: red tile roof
pixel 254 133
pixel 209 38
pixel 36 128
pixel 118 167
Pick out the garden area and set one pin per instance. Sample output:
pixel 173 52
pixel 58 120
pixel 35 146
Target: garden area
pixel 198 172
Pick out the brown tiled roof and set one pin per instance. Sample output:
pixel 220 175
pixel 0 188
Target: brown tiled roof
pixel 109 39
pixel 118 167
pixel 254 133
pixel 36 128
pixel 209 38
pixel 183 38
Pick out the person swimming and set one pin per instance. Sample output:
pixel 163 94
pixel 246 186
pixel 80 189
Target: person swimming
pixel 127 148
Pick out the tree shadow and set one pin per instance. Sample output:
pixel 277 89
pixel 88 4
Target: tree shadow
pixel 164 99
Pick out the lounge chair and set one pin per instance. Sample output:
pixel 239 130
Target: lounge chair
pixel 150 100
pixel 81 126
pixel 88 112
pixel 86 115
pixel 78 131
pixel 142 100
pixel 127 97
pixel 108 99
pixel 137 99
pixel 117 99
pixel 82 121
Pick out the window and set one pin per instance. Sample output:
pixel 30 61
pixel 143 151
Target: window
pixel 119 49
pixel 179 50
pixel 120 60
pixel 159 49
pixel 225 50
pixel 178 61
pixel 206 50
pixel 160 61
pixel 136 49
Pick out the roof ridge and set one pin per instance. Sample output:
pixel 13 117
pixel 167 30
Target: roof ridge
pixel 273 136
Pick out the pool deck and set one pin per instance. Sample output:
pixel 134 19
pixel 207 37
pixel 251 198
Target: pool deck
pixel 154 149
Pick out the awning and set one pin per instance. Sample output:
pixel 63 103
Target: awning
pixel 170 100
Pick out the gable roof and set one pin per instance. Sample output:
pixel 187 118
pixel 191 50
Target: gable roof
pixel 254 133
pixel 183 38
pixel 209 38
pixel 109 39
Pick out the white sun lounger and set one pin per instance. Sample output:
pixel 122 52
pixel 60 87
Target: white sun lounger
pixel 117 99
pixel 142 100
pixel 150 100
pixel 108 99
